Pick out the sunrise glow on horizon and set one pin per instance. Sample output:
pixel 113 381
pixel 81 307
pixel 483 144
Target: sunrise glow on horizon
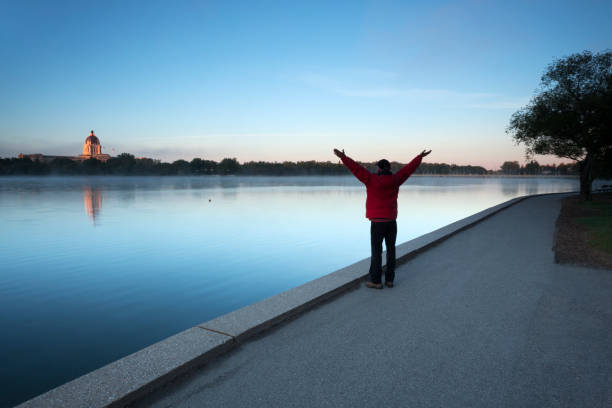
pixel 275 82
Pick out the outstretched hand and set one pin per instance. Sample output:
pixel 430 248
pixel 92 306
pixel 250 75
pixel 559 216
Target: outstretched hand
pixel 339 153
pixel 425 153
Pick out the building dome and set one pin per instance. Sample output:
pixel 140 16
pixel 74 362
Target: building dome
pixel 91 147
pixel 92 139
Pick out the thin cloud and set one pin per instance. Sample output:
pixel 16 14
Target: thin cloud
pixel 330 84
pixel 500 104
pixel 363 88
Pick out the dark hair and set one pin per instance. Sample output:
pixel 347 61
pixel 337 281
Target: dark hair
pixel 384 164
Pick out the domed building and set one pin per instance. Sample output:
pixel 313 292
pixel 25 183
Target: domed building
pixel 93 149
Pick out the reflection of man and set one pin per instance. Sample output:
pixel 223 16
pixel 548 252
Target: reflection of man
pixel 381 210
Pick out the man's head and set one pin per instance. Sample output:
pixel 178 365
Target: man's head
pixel 384 166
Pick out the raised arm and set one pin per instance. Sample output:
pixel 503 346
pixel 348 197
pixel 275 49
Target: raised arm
pixel 358 171
pixel 405 172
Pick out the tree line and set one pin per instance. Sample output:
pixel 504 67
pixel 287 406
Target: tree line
pixel 533 168
pixel 127 164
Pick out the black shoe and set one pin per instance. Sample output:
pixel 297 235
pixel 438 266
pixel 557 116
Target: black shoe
pixel 389 284
pixel 373 285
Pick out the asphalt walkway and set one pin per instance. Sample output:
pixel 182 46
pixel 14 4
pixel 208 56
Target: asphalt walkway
pixel 484 319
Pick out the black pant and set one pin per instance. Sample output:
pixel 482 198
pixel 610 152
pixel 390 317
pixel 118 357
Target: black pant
pixel 378 232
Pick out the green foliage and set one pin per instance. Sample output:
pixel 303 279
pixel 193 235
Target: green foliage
pixel 127 164
pixel 572 113
pixel 287 168
pixel 603 168
pixel 122 164
pixel 571 116
pixel 599 225
pixel 566 169
pixel 64 166
pixel 532 168
pixel 25 166
pixel 200 167
pixel 180 167
pixel 443 169
pixel 145 166
pixel 93 166
pixel 510 167
pixel 228 166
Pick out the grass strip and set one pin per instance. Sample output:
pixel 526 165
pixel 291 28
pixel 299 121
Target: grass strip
pixel 584 232
pixel 598 224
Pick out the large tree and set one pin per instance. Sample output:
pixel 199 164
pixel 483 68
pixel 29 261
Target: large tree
pixel 571 114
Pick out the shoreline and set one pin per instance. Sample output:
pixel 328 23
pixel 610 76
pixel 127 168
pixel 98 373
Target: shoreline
pixel 136 375
pixel 69 176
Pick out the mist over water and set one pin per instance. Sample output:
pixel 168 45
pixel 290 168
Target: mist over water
pixel 95 268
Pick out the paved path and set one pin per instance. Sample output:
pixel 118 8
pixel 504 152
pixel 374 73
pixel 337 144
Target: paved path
pixel 485 319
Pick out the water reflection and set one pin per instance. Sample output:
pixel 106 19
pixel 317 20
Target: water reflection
pixel 181 250
pixel 509 187
pixel 92 199
pixel 532 187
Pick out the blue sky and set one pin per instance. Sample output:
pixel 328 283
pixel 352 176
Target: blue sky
pixel 282 80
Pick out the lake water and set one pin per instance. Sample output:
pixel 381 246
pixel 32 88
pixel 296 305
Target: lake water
pixel 93 269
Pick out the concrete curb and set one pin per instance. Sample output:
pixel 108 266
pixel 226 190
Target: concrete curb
pixel 128 379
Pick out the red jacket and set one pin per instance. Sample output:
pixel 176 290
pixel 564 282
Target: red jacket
pixel 382 190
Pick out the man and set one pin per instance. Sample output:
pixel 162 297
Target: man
pixel 381 210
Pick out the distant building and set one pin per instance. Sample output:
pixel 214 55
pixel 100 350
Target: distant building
pixel 92 149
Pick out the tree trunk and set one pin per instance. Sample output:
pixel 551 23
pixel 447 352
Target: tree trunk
pixel 586 177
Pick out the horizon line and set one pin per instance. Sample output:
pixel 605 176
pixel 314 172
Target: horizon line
pixel 71 157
